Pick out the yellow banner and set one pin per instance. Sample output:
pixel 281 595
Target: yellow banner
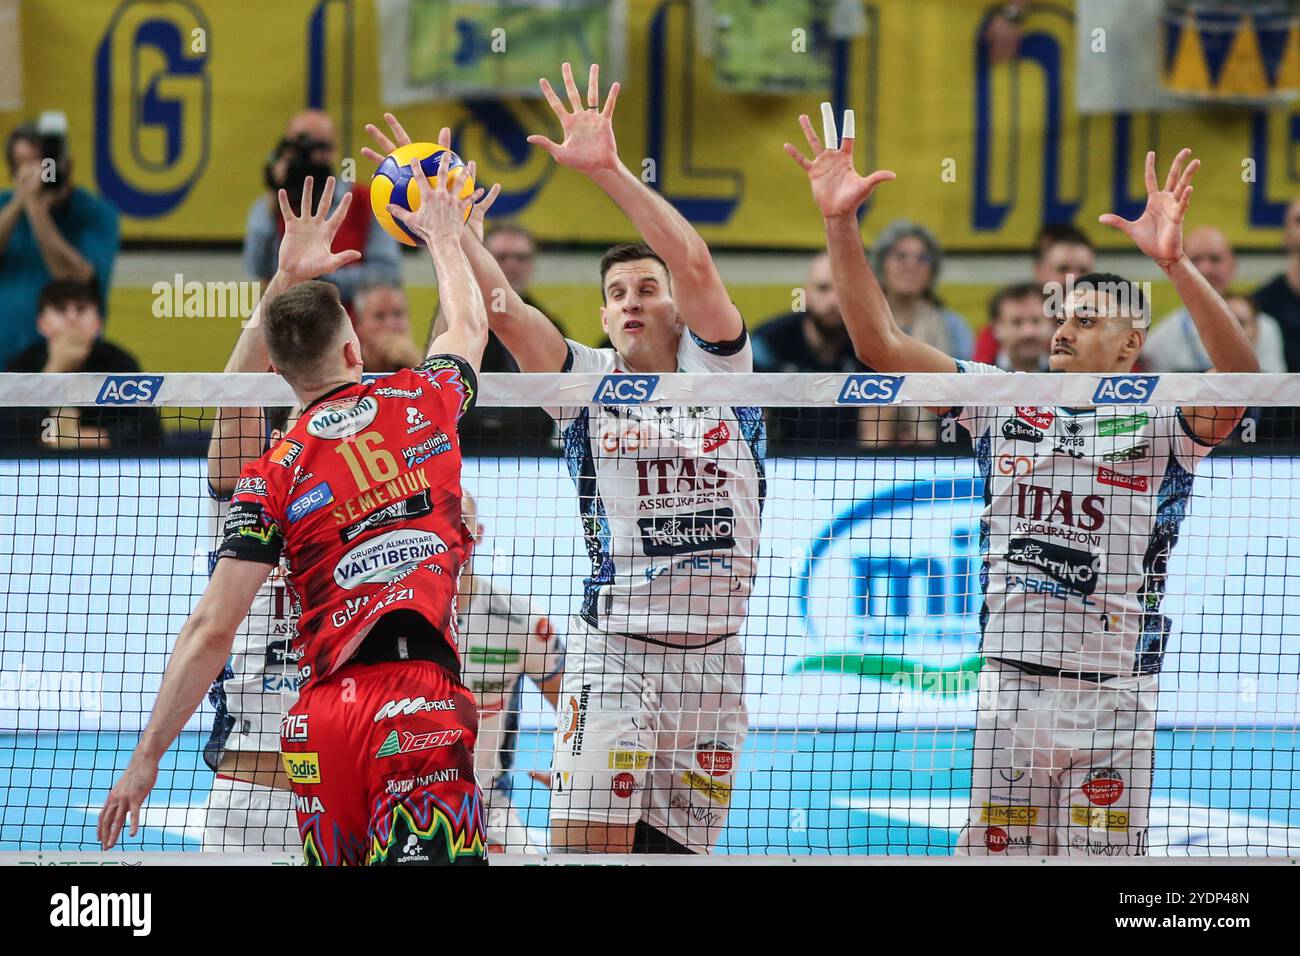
pixel 174 104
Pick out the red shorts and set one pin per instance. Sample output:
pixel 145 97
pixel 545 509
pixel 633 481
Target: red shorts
pixel 382 762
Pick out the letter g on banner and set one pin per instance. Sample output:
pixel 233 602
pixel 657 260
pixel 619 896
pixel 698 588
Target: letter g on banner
pixel 152 106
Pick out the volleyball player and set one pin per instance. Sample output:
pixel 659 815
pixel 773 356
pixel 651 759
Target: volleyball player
pixel 244 812
pixel 652 718
pixel 379 745
pixel 1076 534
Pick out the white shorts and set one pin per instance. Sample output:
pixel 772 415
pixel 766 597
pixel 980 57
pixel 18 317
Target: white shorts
pixel 245 818
pixel 1061 766
pixel 647 732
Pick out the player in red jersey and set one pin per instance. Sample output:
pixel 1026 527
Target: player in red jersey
pixel 362 500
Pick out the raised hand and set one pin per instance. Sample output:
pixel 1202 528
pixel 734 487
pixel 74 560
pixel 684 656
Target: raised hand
pixel 1158 232
pixel 400 138
pixel 305 249
pixel 442 211
pixel 588 145
pixel 482 203
pixel 837 188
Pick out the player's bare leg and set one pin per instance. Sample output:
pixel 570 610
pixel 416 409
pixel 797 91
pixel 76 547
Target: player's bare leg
pixel 581 836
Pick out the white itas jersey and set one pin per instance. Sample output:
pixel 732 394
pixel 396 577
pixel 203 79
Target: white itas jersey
pixel 503 639
pixel 260 681
pixel 1082 509
pixel 670 498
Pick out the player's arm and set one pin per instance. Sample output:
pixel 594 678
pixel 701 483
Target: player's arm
pixel 304 254
pixel 589 147
pixel 839 191
pixel 201 651
pixel 550 688
pixel 1158 233
pixel 531 338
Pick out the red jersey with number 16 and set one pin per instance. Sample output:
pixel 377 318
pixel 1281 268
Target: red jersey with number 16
pixel 363 499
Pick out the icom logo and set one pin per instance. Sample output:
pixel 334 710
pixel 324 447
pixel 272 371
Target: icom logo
pixel 1125 389
pixel 129 390
pixel 870 389
pixel 625 389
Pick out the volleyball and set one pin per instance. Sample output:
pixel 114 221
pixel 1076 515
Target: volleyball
pixel 393 183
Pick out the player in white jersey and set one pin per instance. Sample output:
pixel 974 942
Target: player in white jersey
pixel 1082 509
pixel 245 811
pixel 503 638
pixel 653 715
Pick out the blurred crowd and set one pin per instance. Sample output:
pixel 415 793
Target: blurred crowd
pixel 59 242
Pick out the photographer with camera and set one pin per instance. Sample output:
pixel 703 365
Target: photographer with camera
pixel 50 230
pixel 310 149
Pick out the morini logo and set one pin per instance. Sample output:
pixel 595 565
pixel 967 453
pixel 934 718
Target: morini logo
pixel 625 389
pixel 129 390
pixel 870 389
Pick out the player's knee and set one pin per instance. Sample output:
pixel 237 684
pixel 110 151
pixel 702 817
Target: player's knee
pixel 581 836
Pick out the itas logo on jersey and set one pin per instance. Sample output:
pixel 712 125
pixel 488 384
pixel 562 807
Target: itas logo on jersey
pixel 1125 389
pixel 625 389
pixel 129 390
pixel 870 389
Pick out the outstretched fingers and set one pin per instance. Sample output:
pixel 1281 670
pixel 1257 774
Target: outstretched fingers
pixel 551 97
pixel 809 135
pixel 1150 172
pixel 804 163
pixel 1185 180
pixel 1176 168
pixel 610 100
pixel 571 87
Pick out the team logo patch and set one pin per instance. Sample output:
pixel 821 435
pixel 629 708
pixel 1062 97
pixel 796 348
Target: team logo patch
pixel 1103 786
pixel 1132 482
pixel 250 486
pixel 411 705
pixel 318 496
pixel 343 417
pixel 435 444
pixel 715 438
pixel 715 758
pixel 1121 424
pixel 1038 417
pixel 408 742
pixel 384 557
pixel 1020 431
pixel 1133 453
pixel 1070 566
pixel 664 535
pixel 413 507
pixel 302 767
pixel 286 453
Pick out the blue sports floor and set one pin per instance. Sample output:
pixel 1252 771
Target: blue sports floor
pixel 1217 792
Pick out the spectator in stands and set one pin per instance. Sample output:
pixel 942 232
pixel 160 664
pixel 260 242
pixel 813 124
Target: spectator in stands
pixel 1280 297
pixel 70 322
pixel 811 340
pixel 1060 251
pixel 515 250
pixel 1022 328
pixel 907 259
pixel 310 148
pixel 50 230
pixel 383 326
pixel 1175 346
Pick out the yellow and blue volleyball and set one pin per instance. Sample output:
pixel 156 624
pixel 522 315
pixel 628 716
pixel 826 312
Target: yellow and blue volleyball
pixel 394 183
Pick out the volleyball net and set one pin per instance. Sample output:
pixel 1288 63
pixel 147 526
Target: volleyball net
pixel 1050 617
